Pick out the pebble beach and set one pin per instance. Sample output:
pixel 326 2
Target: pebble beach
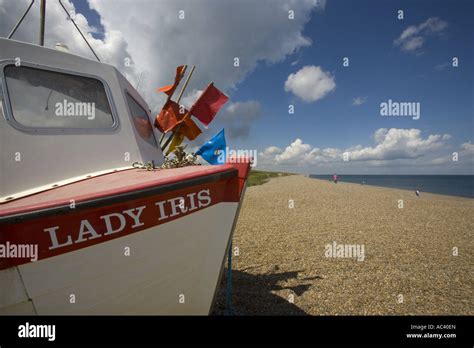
pixel 417 251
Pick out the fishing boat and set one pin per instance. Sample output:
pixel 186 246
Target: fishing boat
pixel 82 230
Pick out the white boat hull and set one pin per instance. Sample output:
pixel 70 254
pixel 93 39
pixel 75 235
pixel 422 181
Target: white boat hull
pixel 172 269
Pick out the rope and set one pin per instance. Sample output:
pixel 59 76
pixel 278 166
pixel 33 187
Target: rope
pixel 181 159
pixel 229 310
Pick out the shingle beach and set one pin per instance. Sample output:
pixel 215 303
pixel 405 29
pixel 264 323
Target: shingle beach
pixel 417 260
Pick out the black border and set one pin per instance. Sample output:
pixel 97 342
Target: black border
pixel 136 330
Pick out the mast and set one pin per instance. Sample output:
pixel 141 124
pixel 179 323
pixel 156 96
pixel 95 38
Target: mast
pixel 42 21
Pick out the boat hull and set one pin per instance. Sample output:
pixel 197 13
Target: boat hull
pixel 158 248
pixel 169 269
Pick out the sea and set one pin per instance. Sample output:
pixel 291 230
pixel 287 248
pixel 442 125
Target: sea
pixel 453 185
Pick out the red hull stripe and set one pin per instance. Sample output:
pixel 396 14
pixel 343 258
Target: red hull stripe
pixel 76 229
pixel 84 201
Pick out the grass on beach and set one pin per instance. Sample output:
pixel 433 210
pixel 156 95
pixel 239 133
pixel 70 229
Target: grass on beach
pixel 258 177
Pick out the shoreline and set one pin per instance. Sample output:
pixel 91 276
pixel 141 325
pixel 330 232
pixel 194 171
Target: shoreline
pixel 283 266
pixel 391 188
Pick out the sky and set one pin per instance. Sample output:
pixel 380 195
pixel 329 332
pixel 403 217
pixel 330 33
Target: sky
pixel 291 56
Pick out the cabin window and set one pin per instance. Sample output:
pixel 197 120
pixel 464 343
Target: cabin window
pixel 49 99
pixel 141 121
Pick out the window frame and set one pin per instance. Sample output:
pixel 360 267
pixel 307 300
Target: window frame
pixel 127 92
pixel 8 110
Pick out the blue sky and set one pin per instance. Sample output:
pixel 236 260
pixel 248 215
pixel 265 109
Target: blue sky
pixel 405 60
pixel 93 18
pixel 378 71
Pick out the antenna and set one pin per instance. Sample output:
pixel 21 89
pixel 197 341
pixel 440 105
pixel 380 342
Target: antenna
pixel 79 30
pixel 139 80
pixel 43 24
pixel 21 20
pixel 42 21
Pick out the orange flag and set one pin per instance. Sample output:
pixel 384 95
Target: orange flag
pixel 171 116
pixel 189 129
pixel 168 117
pixel 169 90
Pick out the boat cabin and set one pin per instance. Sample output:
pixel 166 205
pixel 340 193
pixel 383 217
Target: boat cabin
pixel 66 118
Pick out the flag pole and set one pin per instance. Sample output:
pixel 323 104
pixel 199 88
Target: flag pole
pixel 168 141
pixel 185 84
pixel 168 99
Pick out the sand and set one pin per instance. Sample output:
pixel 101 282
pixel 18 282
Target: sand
pixel 408 269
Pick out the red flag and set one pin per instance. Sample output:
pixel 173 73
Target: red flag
pixel 169 90
pixel 208 104
pixel 171 116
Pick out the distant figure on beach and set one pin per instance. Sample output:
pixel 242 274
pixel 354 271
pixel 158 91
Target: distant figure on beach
pixel 334 178
pixel 417 193
pixel 362 182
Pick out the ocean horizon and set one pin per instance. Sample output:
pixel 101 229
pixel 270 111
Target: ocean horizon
pixel 452 185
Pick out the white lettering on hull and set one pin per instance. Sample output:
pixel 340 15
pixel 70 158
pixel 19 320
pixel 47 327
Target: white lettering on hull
pixel 116 222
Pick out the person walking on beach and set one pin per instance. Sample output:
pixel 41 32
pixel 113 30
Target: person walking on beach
pixel 334 178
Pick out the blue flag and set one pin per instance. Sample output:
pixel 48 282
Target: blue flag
pixel 214 151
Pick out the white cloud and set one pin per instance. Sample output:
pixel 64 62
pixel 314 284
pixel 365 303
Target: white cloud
pixel 272 150
pixel 468 148
pixel 112 49
pixel 310 83
pixel 413 43
pixel 465 155
pixel 295 151
pixel 433 25
pixel 212 34
pixel 390 144
pixel 442 66
pixel 398 143
pixel 155 40
pixel 359 100
pixel 267 155
pixel 413 37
